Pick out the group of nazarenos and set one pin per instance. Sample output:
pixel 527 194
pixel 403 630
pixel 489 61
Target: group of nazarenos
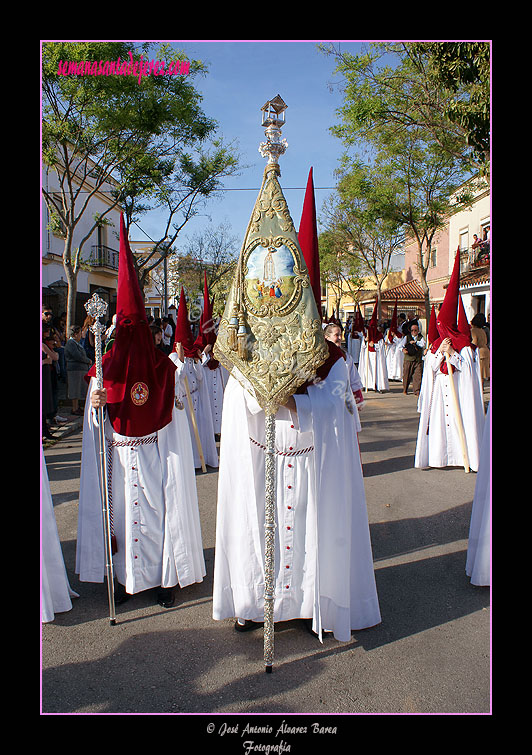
pixel 161 416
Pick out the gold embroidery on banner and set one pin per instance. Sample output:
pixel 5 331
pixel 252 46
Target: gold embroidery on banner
pixel 282 358
pixel 270 204
pixel 271 310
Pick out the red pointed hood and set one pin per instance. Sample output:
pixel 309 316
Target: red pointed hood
pixel 373 333
pixel 447 318
pixel 183 331
pixel 207 324
pixel 358 323
pixel 130 303
pixel 393 324
pixel 464 328
pixel 140 379
pixel 207 334
pixel 308 240
pixel 201 339
pixel 433 330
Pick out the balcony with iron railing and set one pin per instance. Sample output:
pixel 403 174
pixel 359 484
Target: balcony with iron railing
pixel 103 256
pixel 475 257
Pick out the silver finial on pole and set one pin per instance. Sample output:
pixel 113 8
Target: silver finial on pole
pixel 273 121
pixel 96 308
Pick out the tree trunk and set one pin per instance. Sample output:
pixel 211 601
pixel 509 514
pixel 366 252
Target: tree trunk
pixel 423 281
pixel 71 278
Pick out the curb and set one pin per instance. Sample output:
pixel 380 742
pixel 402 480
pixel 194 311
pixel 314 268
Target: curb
pixel 63 430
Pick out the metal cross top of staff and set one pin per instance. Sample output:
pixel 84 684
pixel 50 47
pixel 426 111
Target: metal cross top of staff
pixel 97 308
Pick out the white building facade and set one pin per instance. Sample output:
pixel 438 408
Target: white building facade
pixel 99 253
pixel 475 267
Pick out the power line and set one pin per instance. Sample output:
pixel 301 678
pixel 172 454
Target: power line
pixel 284 188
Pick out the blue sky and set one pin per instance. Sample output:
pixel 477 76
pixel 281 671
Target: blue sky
pixel 242 76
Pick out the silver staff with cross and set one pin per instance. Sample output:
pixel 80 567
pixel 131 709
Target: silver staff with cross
pixel 96 308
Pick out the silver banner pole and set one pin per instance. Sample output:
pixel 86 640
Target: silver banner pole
pixel 269 539
pixel 96 308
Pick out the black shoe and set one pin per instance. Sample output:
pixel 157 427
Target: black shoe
pixel 247 626
pixel 121 596
pixel 166 597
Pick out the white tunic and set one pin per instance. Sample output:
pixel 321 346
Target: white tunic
pixel 353 346
pixel 154 507
pixel 356 385
pixel 438 441
pixel 199 393
pixel 56 592
pixel 372 367
pixel 323 558
pixel 215 388
pixel 478 560
pixel 395 358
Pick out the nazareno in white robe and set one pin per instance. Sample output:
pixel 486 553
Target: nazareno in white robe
pixel 214 380
pixel 373 372
pixel 353 346
pixel 478 562
pixel 199 393
pixel 395 358
pixel 323 557
pixel 438 441
pixel 56 592
pixel 356 385
pixel 154 507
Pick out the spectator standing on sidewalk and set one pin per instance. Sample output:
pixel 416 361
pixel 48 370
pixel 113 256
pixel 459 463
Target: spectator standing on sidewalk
pixel 59 324
pixel 157 334
pixel 168 333
pixel 87 338
pixel 51 347
pixel 480 338
pixel 78 364
pixel 413 360
pixel 49 357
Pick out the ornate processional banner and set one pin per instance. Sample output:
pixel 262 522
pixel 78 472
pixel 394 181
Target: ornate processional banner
pixel 271 330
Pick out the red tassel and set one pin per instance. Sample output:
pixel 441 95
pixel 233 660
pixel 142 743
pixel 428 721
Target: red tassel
pixel 114 545
pixel 443 368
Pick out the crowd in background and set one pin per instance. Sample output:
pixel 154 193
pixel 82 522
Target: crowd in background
pixel 409 330
pixel 66 357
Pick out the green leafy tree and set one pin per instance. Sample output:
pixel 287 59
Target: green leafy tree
pixel 194 180
pixel 463 69
pixel 213 251
pixel 368 241
pixel 125 135
pixel 441 87
pixel 339 268
pixel 407 193
pixel 410 158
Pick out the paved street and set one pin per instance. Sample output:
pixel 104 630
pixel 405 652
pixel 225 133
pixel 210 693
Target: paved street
pixel 431 654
